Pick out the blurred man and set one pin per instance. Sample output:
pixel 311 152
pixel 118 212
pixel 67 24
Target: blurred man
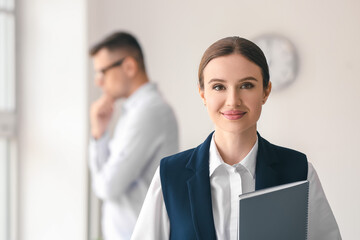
pixel 122 167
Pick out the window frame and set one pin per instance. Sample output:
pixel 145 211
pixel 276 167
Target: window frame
pixel 8 125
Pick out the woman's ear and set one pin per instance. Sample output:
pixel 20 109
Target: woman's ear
pixel 267 92
pixel 202 94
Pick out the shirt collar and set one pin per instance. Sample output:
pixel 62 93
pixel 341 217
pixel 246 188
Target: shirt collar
pixel 138 95
pixel 215 159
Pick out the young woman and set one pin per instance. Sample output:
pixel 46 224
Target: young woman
pixel 194 194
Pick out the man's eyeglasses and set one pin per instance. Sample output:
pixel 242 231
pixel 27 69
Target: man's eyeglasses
pixel 115 64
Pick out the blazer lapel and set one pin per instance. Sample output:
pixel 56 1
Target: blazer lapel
pixel 199 183
pixel 200 192
pixel 266 161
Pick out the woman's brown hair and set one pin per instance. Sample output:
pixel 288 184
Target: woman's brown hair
pixel 237 45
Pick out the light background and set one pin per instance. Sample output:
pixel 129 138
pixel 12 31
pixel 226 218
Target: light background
pixel 318 114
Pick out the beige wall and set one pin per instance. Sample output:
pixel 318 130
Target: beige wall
pixel 318 114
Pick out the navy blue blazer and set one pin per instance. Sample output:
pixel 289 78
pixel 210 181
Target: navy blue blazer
pixel 185 184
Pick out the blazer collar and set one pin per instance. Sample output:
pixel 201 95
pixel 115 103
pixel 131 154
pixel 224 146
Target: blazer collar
pixel 265 156
pixel 200 193
pixel 199 183
pixel 266 164
pixel 199 159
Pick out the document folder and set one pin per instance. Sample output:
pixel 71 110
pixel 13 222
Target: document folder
pixel 276 213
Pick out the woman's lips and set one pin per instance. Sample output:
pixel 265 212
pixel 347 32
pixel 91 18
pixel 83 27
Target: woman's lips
pixel 233 114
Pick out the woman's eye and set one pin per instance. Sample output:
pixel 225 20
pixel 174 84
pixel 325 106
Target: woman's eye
pixel 247 86
pixel 218 87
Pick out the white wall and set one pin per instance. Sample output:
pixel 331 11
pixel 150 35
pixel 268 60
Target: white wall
pixel 52 86
pixel 317 115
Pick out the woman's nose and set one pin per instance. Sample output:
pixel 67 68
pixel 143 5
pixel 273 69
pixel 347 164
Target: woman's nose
pixel 233 98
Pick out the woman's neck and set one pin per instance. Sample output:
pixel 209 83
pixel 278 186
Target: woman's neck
pixel 233 147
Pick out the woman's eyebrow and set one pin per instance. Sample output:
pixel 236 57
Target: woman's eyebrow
pixel 216 80
pixel 247 79
pixel 240 80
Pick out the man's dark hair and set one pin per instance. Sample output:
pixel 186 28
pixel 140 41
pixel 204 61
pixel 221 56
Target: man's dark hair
pixel 121 41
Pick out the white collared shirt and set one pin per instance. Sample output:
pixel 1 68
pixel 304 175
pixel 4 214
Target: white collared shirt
pixel 122 168
pixel 227 183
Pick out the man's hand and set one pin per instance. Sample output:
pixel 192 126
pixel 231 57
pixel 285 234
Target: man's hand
pixel 100 115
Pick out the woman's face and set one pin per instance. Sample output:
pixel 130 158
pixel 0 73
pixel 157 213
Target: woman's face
pixel 233 93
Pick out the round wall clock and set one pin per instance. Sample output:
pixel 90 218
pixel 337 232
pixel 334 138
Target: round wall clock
pixel 282 59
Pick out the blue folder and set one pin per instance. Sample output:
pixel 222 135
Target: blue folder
pixel 276 213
